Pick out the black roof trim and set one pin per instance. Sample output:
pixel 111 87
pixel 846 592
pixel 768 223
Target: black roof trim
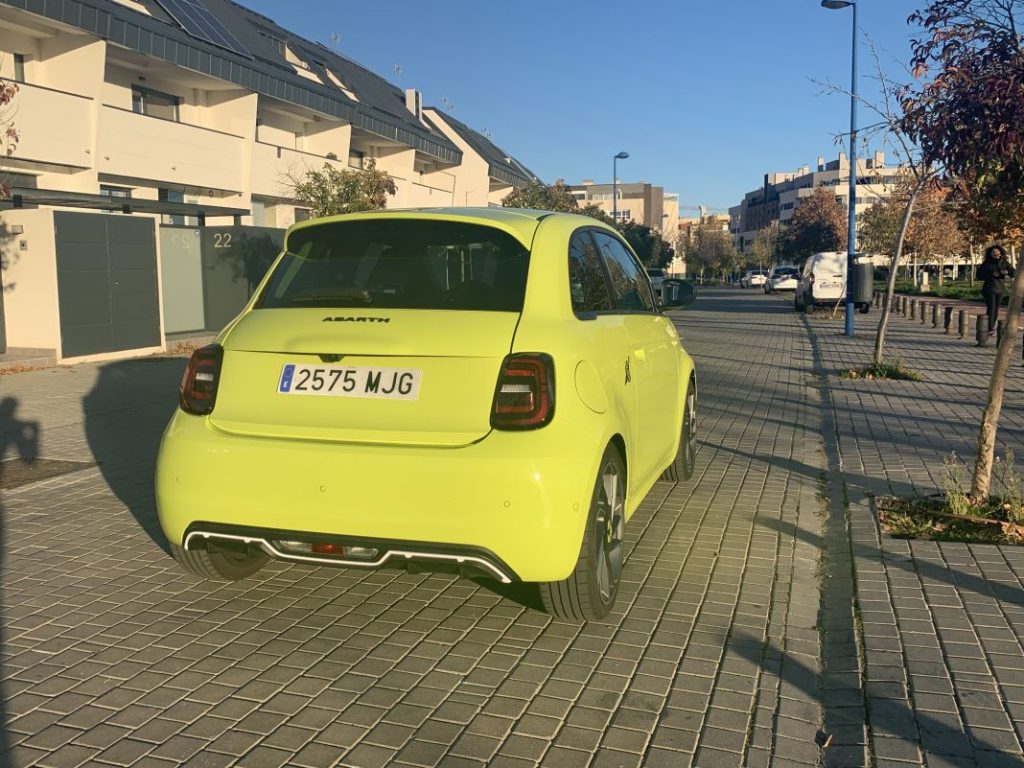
pixel 500 164
pixel 155 38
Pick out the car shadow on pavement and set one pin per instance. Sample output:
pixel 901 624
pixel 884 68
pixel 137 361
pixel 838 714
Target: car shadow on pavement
pixel 125 415
pixel 21 440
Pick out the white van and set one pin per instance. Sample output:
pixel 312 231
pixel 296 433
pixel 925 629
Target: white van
pixel 822 281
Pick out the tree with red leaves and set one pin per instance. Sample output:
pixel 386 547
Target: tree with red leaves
pixel 967 114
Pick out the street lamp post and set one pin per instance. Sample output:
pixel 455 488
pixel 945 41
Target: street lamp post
pixel 851 229
pixel 615 181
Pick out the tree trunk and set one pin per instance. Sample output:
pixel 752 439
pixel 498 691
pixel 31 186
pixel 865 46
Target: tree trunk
pixel 982 483
pixel 890 288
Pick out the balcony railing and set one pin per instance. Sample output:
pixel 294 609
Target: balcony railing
pixel 147 147
pixel 53 126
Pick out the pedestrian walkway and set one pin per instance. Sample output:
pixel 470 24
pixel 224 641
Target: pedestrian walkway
pixel 736 641
pixel 943 623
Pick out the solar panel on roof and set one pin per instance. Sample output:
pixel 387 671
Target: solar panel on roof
pixel 196 19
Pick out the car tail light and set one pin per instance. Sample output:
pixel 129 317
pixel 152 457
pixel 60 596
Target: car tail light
pixel 198 391
pixel 525 395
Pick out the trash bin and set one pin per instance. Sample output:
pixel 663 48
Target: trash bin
pixel 863 280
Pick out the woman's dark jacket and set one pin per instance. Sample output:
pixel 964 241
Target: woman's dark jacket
pixel 992 273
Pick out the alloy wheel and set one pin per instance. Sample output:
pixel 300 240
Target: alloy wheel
pixel 609 524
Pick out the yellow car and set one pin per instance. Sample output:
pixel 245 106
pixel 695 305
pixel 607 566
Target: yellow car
pixel 492 388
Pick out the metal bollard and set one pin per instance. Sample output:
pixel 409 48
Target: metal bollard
pixel 981 333
pixel 913 309
pixel 961 324
pixel 878 299
pixel 947 319
pixel 924 311
pixel 936 314
pixel 903 305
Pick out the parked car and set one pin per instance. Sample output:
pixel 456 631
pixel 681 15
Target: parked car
pixel 657 276
pixel 823 282
pixel 753 278
pixel 490 388
pixel 782 279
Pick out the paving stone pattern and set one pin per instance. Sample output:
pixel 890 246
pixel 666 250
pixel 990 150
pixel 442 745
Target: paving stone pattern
pixel 734 642
pixel 113 656
pixel 943 622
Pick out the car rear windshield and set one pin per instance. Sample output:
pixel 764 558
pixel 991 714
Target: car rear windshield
pixel 786 271
pixel 400 264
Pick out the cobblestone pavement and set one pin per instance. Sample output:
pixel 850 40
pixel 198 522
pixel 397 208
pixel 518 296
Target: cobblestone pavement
pixel 112 655
pixel 943 623
pixel 734 642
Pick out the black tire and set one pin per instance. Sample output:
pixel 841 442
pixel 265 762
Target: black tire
pixel 682 466
pixel 220 562
pixel 865 308
pixel 590 591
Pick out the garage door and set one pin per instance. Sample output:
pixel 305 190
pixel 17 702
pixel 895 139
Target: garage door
pixel 106 282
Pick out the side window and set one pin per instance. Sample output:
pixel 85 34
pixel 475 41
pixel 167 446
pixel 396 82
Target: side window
pixel 630 289
pixel 587 286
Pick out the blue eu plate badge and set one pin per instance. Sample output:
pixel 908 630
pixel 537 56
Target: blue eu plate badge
pixel 286 378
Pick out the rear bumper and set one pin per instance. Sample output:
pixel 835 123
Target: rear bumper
pixel 520 497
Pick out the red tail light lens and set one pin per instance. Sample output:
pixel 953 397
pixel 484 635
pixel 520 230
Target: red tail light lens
pixel 525 395
pixel 198 391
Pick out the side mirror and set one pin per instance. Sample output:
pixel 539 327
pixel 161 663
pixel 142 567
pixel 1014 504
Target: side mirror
pixel 677 293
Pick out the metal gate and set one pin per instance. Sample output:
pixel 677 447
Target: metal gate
pixel 106 283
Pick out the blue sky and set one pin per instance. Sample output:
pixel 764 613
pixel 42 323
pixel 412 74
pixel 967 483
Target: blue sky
pixel 705 96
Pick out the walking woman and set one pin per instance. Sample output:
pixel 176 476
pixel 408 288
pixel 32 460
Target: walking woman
pixel 992 272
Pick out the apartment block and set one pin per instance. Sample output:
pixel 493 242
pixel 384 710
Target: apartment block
pixel 187 119
pixel 781 194
pixel 637 201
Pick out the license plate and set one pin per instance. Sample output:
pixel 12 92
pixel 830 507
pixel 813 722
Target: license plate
pixel 350 381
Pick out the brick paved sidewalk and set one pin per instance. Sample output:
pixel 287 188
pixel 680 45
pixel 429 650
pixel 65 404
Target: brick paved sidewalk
pixel 943 623
pixel 111 655
pixel 735 642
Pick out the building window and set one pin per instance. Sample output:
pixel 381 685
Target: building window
pixel 274 42
pixel 19 68
pixel 356 158
pixel 259 213
pixel 154 103
pixel 108 191
pixel 301 214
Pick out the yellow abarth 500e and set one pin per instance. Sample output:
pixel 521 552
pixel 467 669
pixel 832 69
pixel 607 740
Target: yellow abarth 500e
pixel 494 388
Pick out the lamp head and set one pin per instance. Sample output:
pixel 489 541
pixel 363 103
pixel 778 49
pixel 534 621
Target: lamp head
pixel 622 155
pixel 836 5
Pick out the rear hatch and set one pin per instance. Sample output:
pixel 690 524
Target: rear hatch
pixel 829 272
pixel 374 335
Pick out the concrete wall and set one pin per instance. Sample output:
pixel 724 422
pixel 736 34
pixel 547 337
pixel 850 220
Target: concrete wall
pixel 31 314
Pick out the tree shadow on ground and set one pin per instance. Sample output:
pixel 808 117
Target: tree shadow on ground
pixel 21 440
pixel 893 718
pixel 124 420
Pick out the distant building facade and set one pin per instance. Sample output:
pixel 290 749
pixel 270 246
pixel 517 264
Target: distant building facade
pixel 638 201
pixel 781 194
